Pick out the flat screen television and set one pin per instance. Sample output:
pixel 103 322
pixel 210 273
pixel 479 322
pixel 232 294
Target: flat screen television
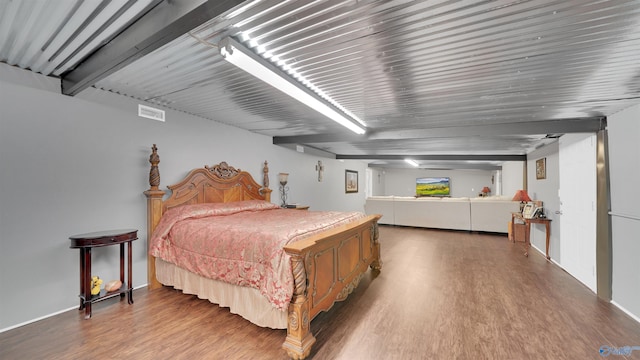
pixel 433 186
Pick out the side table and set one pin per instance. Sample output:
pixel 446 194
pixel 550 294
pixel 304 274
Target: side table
pixel 86 242
pixel 527 233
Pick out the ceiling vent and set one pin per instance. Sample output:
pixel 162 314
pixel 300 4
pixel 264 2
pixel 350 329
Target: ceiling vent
pixel 150 113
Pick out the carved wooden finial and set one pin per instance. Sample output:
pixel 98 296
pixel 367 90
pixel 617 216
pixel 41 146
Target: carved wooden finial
pixel 154 173
pixel 265 178
pixel 223 170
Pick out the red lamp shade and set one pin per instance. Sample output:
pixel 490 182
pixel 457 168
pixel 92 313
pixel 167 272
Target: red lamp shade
pixel 521 195
pixel 486 190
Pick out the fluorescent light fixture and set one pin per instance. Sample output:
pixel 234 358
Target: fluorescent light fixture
pixel 412 162
pixel 247 60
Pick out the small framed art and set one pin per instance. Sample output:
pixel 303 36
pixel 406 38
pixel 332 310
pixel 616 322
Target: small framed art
pixel 541 168
pixel 350 181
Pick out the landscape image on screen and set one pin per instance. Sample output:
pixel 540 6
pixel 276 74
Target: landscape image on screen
pixel 433 186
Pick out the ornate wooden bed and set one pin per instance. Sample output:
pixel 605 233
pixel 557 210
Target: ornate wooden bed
pixel 326 266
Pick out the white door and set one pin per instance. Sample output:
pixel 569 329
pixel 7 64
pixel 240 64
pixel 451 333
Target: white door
pixel 577 160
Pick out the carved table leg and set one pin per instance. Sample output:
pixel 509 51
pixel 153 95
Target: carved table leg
pixel 548 230
pixel 527 238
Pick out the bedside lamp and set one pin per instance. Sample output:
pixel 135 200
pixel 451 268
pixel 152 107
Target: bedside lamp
pixel 485 190
pixel 523 197
pixel 283 178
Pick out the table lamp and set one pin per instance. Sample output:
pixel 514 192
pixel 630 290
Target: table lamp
pixel 283 178
pixel 523 197
pixel 485 190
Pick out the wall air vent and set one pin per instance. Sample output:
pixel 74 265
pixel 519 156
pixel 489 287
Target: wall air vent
pixel 150 113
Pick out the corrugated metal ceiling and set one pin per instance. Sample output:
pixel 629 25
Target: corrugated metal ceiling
pixel 418 73
pixel 52 36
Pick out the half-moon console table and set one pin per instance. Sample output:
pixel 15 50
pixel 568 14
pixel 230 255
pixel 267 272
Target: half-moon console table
pixel 86 242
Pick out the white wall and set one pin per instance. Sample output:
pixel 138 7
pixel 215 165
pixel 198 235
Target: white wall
pixel 624 152
pixel 378 181
pixel 512 177
pixel 72 165
pixel 464 183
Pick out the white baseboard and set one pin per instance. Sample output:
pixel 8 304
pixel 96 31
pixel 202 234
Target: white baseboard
pixel 540 251
pixel 49 315
pixel 37 319
pixel 633 316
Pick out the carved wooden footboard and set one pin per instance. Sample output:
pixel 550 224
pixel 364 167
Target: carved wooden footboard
pixel 326 267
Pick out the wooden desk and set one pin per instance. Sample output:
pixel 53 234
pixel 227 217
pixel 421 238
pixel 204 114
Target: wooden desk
pixel 85 242
pixel 527 231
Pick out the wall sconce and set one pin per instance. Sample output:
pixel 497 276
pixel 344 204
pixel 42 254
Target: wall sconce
pixel 283 178
pixel 485 191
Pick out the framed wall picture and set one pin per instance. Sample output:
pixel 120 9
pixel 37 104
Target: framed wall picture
pixel 350 181
pixel 541 168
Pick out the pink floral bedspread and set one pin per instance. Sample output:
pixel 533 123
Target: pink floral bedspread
pixel 240 242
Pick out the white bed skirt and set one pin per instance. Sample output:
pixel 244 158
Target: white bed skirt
pixel 244 301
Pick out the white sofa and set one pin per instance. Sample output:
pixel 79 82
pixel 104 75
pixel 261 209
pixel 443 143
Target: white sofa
pixel 490 214
pixel 440 213
pixel 382 205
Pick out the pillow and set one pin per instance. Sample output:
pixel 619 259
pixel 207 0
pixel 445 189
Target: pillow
pixel 211 209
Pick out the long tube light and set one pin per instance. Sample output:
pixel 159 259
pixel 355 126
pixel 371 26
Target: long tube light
pixel 412 162
pixel 247 60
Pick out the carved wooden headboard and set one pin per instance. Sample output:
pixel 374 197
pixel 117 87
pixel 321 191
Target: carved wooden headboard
pixel 218 183
pixel 211 184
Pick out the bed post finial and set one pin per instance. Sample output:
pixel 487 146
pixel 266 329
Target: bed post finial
pixel 265 191
pixel 154 173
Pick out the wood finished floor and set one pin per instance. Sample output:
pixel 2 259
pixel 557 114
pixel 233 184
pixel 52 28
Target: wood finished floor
pixel 440 295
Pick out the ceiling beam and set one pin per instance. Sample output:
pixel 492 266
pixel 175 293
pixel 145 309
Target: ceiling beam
pixel 543 127
pixel 436 157
pixel 161 25
pixel 438 166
